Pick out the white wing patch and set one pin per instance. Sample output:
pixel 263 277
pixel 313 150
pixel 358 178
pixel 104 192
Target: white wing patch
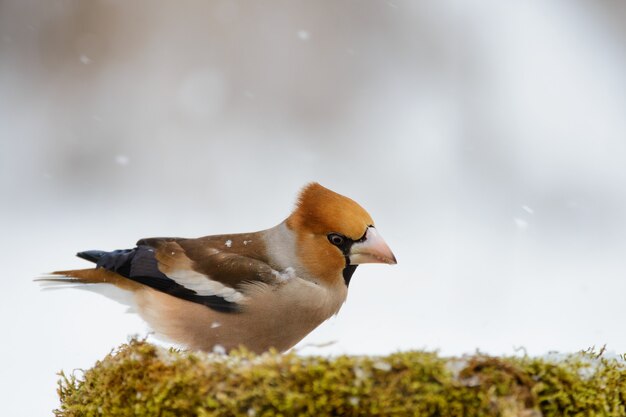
pixel 203 285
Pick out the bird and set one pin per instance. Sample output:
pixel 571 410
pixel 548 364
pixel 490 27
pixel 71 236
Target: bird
pixel 259 291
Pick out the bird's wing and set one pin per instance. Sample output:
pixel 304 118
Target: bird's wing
pixel 192 269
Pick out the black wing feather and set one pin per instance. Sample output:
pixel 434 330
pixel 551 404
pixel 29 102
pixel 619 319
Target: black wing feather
pixel 140 265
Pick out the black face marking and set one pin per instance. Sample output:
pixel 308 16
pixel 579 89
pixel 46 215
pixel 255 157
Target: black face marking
pixel 140 265
pixel 342 242
pixel 347 273
pixel 336 239
pixel 345 244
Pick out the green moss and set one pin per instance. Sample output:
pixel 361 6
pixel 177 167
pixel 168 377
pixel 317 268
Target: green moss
pixel 140 379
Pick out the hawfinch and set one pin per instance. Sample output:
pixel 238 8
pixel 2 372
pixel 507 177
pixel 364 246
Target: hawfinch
pixel 259 290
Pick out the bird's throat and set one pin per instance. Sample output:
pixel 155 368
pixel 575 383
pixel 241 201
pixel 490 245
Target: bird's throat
pixel 347 273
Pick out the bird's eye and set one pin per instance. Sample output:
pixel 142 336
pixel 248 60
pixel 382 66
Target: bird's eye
pixel 336 239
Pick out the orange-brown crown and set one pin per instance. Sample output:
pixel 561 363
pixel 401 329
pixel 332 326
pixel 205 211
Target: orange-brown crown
pixel 322 211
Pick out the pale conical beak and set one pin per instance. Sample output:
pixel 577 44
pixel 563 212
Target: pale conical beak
pixel 372 249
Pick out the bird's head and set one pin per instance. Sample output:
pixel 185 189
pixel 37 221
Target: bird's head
pixel 335 234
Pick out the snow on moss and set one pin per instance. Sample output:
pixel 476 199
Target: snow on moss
pixel 139 379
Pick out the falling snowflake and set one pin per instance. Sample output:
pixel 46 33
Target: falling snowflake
pixel 521 223
pixel 122 160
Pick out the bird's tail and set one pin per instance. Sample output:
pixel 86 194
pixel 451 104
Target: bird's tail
pixel 86 276
pixel 120 290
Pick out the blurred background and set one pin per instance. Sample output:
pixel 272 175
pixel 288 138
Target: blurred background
pixel 487 139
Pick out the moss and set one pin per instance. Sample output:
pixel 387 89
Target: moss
pixel 139 379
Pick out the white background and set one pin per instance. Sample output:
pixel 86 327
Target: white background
pixel 486 138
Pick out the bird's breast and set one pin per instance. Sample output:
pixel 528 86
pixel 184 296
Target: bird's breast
pixel 273 316
pixel 284 315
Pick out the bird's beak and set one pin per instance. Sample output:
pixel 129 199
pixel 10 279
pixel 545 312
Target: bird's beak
pixel 372 249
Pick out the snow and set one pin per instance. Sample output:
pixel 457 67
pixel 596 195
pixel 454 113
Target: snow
pixel 287 274
pixel 219 349
pixel 521 223
pixel 437 175
pixel 122 160
pixel 382 366
pixel 360 375
pixel 85 59
pixel 228 243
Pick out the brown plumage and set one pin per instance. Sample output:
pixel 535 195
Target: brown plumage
pixel 259 290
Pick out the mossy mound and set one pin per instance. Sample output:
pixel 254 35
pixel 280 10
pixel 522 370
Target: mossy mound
pixel 140 379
